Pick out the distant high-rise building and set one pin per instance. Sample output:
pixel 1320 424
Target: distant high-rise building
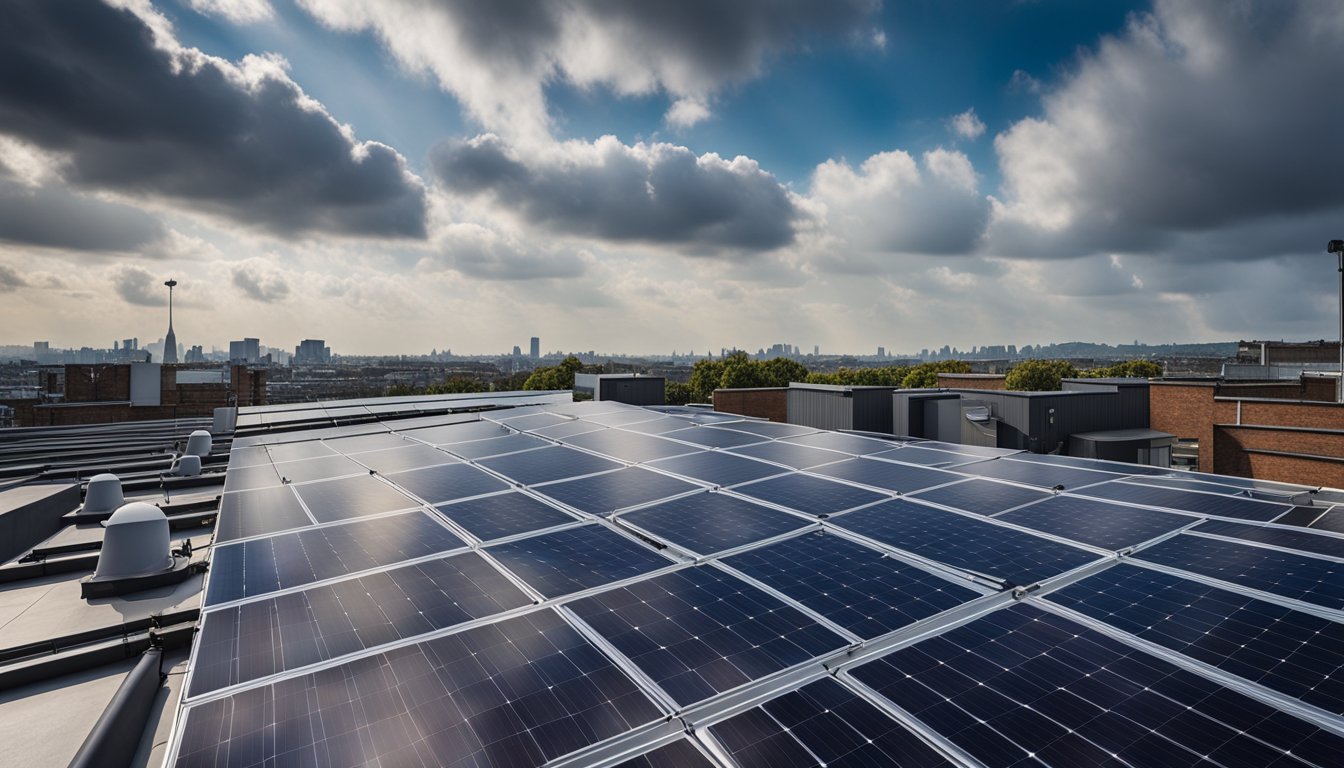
pixel 536 347
pixel 245 351
pixel 312 352
pixel 881 351
pixel 517 351
pixel 170 341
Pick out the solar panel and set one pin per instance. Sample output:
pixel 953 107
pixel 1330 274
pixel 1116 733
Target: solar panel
pixel 1015 557
pixel 618 418
pixel 248 478
pixel 1332 546
pixel 1189 501
pixel 983 497
pixel 1097 523
pixel 974 450
pixel 503 514
pixel 657 426
pixel 458 433
pixel 1123 468
pixel 837 441
pixel 681 753
pixel 260 566
pixel 576 559
pixel 248 456
pixel 885 474
pixel 1333 520
pixel 810 495
pixel 1281 573
pixel 448 482
pixel 861 589
pixel 1187 484
pixel 306 448
pixel 713 437
pixel 514 693
pixel 258 512
pixel 605 493
pixel 546 464
pixel 822 724
pixel 1021 683
pixel 567 428
pixel 628 446
pixel 1289 651
pixel 496 446
pixel 361 443
pixel 323 468
pixel 698 631
pixel 927 457
pixel 271 635
pixel 1041 475
pixel 350 497
pixel 412 456
pixel 718 468
pixel 796 456
pixel 712 522
pixel 770 429
pixel 529 422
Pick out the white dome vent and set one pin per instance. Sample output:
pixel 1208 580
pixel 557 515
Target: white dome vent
pixel 103 495
pixel 136 554
pixel 198 444
pixel 187 466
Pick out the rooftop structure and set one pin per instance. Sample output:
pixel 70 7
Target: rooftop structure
pixel 170 341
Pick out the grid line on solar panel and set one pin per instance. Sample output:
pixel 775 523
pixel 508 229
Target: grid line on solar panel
pixel 547 464
pixel 496 446
pixel 608 492
pixel 244 514
pixel 518 692
pixel 698 632
pixel 1332 520
pixel 269 636
pixel 714 437
pixel 1040 475
pixel 627 446
pixel 709 522
pixel 1301 540
pixel 412 456
pixel 307 449
pixel 1187 501
pixel 350 497
pixel 250 478
pixel 853 445
pixel 317 553
pixel 1097 523
pixel 865 591
pixel 323 468
pixel 457 433
pixel 970 544
pixel 822 723
pixel 809 494
pixel 682 753
pixel 448 482
pixel 981 496
pixel 1296 576
pixel 794 456
pixel 656 426
pixel 718 468
pixel 1021 682
pixel 926 457
pixel 504 514
pixel 901 478
pixel 1289 651
pixel 575 427
pixel 770 429
pixel 362 443
pixel 576 559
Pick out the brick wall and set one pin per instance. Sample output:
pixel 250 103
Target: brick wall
pixel 772 403
pixel 970 381
pixel 1262 452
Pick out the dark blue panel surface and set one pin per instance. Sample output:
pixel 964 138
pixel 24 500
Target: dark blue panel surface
pixel 718 468
pixel 503 514
pixel 1095 522
pixel 926 457
pixel 901 478
pixel 1189 501
pixel 1290 651
pixel 546 464
pixel 853 445
pixel 253 513
pixel 862 590
pixel 628 446
pixel 1015 557
pixel 445 483
pixel 458 433
pixel 248 478
pixel 515 693
pixel 810 495
pixel 317 469
pixel 1332 520
pixel 1282 573
pixel 712 522
pixel 822 724
pixel 568 561
pixel 533 421
pixel 1030 473
pixel 361 443
pixel 711 437
pixel 306 449
pixel 657 426
pixel 983 497
pixel 496 446
pixel 411 456
pixel 796 456
pixel 1022 682
pixel 1104 466
pixel 351 497
pixel 1279 537
pixel 699 631
pixel 768 428
pixel 606 493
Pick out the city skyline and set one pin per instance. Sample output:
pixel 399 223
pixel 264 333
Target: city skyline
pixel 842 174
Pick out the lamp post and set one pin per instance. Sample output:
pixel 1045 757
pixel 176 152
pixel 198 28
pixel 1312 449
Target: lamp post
pixel 1337 246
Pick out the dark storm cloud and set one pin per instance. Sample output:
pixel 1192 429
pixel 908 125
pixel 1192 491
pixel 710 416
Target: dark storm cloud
pixel 139 287
pixel 55 218
pixel 259 286
pixel 648 193
pixel 88 82
pixel 10 279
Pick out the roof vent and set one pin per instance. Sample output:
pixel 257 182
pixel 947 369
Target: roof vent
pixel 103 495
pixel 198 444
pixel 979 414
pixel 187 466
pixel 136 553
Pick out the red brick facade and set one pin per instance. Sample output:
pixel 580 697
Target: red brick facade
pixel 971 381
pixel 765 403
pixel 97 394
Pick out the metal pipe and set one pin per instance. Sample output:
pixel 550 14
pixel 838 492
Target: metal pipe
pixel 1341 326
pixel 116 736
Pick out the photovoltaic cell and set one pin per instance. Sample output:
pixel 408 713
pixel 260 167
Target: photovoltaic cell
pixel 699 631
pixel 1041 475
pixel 862 590
pixel 565 429
pixel 822 724
pixel 445 483
pixel 261 638
pixel 712 522
pixel 1332 546
pixel 628 446
pixel 1292 652
pixel 1021 682
pixel 503 514
pixel 458 433
pixel 796 456
pixel 249 478
pixel 885 474
pixel 718 468
pixel 837 441
pixel 1270 570
pixel 770 429
pixel 535 421
pixel 495 446
pixel 248 456
pixel 412 456
pixel 576 559
pixel 608 492
pixel 262 511
pixel 323 468
pixel 927 457
pixel 810 495
pixel 1015 557
pixel 259 566
pixel 1098 464
pixel 712 437
pixel 350 497
pixel 1189 501
pixel 361 443
pixel 1097 523
pixel 657 426
pixel 515 693
pixel 679 754
pixel 983 497
pixel 546 464
pixel 1333 520
pixel 301 449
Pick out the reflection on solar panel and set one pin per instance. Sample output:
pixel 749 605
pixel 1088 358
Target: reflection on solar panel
pixel 445 483
pixel 718 468
pixel 862 590
pixel 926 456
pixel 251 568
pixel 823 723
pixel 576 559
pixel 837 441
pixel 810 495
pixel 1332 520
pixel 1041 475
pixel 361 443
pixel 1189 501
pixel 412 456
pixel 885 474
pixel 681 753
pixel 531 421
pixel 546 464
pixel 963 542
pixel 253 513
pixel 712 437
pixel 769 428
pixel 1278 537
pixel 657 426
pixel 503 514
pixel 458 433
pixel 307 449
pixel 796 456
pixel 628 446
pixel 983 497
pixel 699 631
pixel 248 478
pixel 1290 651
pixel 567 428
pixel 1096 523
pixel 1021 682
pixel 1269 570
pixel 608 492
pixel 495 446
pixel 350 497
pixel 514 693
pixel 1097 464
pixel 324 468
pixel 712 522
pixel 258 639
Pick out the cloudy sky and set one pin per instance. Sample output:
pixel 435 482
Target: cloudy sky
pixel 397 175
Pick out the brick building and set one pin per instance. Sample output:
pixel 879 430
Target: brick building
pixel 92 394
pixel 760 402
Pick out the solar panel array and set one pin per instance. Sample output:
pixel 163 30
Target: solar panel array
pixel 602 585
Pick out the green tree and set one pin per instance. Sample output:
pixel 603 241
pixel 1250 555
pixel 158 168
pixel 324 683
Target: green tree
pixel 677 393
pixel 705 378
pixel 781 371
pixel 556 376
pixel 457 385
pixel 400 390
pixel 925 375
pixel 1038 375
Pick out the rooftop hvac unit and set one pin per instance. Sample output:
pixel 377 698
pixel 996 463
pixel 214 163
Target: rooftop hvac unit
pixel 979 414
pixel 136 554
